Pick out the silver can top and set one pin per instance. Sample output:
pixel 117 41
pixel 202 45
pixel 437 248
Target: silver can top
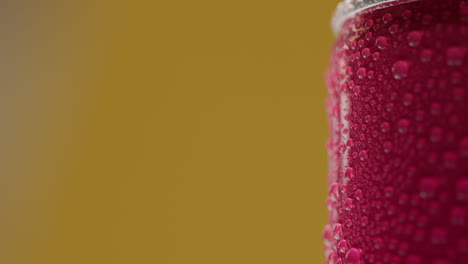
pixel 348 8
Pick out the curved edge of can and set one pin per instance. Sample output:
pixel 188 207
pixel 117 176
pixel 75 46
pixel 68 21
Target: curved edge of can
pixel 348 8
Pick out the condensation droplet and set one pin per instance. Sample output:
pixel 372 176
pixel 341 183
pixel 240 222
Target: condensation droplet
pixel 455 55
pixel 331 258
pixel 462 244
pixel 361 73
pixel 387 18
pixel 353 256
pixel 463 145
pixel 378 243
pixel 337 231
pixel 428 187
pixel 420 115
pixel 462 190
pixel 426 55
pixel 407 14
pixel 419 235
pixel 348 205
pixel 369 23
pixel 334 192
pixel 367 118
pixel 390 107
pixel 403 199
pixel 403 125
pixel 408 99
pixel 388 191
pixel 436 134
pixel 358 195
pixel 357 89
pixel 376 56
pixel 364 220
pixel 349 173
pixel 439 235
pixel 343 246
pixel 381 42
pixel 436 108
pixel 414 38
pixel 400 69
pixel 458 94
pixel 463 11
pixel 394 29
pixel 450 159
pixel 403 248
pixel 385 126
pixel 327 235
pixel 366 53
pixel 344 187
pixel 363 155
pixel 458 216
pixel 387 146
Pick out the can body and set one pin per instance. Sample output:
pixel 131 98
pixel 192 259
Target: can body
pixel 398 147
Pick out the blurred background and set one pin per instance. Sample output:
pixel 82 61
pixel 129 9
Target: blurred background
pixel 163 131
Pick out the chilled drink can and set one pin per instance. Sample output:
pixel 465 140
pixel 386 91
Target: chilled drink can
pixel 398 126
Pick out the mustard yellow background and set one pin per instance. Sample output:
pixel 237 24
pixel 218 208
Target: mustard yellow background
pixel 163 131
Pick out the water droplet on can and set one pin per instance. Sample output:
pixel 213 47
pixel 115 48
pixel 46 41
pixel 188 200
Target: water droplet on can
pixel 353 256
pixel 400 69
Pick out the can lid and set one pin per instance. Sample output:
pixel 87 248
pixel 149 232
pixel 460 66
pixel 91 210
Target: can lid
pixel 349 8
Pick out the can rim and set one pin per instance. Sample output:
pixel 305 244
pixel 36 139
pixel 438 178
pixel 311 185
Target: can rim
pixel 348 8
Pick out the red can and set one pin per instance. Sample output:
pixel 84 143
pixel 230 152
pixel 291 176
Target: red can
pixel 398 147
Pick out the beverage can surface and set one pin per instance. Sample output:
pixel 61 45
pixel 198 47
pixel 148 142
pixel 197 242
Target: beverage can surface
pixel 398 147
